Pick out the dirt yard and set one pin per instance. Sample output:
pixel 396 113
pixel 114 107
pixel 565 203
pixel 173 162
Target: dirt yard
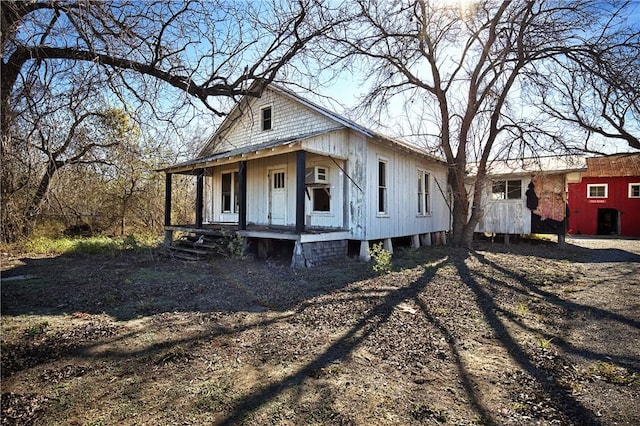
pixel 516 334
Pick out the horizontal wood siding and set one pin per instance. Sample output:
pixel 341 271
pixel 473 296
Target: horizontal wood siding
pixel 258 188
pixel 258 191
pixel 289 119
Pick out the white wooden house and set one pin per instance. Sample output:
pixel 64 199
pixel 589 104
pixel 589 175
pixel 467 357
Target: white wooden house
pixel 280 167
pixel 529 195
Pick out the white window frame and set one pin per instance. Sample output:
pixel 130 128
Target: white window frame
pixel 424 192
pixel 262 121
pixel 504 196
pixel 597 185
pixel 631 186
pixel 233 193
pixel 382 190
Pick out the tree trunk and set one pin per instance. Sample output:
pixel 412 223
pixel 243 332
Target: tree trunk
pixel 464 222
pixel 123 213
pixel 460 207
pixel 41 191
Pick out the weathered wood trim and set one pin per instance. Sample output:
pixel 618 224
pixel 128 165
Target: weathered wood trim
pixel 199 197
pixel 300 190
pixel 167 199
pixel 242 196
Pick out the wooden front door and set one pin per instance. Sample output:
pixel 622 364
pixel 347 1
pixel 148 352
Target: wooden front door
pixel 277 197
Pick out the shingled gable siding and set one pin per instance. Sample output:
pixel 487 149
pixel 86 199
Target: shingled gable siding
pixel 289 119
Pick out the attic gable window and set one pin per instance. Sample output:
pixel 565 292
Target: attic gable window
pixel 265 118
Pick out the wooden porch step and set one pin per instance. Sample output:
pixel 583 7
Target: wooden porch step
pixel 186 256
pixel 195 247
pixel 208 246
pixel 190 250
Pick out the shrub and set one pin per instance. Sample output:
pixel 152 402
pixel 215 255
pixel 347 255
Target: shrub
pixel 236 245
pixel 381 258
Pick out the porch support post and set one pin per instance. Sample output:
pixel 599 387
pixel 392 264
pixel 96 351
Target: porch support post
pixel 364 251
pixel 168 235
pixel 242 196
pixel 300 169
pixel 199 197
pixel 387 245
pixel 562 241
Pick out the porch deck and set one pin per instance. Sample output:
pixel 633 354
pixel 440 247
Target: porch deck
pixel 310 234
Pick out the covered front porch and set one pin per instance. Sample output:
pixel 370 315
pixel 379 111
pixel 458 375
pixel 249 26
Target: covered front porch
pixel 275 193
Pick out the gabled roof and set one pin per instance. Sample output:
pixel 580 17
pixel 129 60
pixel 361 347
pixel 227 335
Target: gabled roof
pixel 627 164
pixel 341 122
pixel 323 111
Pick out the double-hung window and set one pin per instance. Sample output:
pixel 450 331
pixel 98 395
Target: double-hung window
pixel 634 190
pixel 424 204
pixel 382 187
pixel 230 190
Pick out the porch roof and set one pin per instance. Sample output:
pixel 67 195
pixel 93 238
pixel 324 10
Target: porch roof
pixel 275 147
pixel 266 149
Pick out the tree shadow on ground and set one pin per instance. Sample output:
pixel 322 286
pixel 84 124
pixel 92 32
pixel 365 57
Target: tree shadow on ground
pixel 337 351
pixel 126 286
pixel 568 307
pixel 132 286
pixel 556 393
pixel 385 302
pixel 552 387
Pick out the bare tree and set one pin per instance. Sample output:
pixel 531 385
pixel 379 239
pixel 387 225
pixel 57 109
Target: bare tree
pixel 468 67
pixel 56 132
pixel 155 59
pixel 597 87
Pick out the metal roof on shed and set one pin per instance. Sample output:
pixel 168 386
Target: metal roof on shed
pixel 627 164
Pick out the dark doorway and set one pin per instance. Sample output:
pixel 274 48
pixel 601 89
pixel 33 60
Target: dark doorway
pixel 607 222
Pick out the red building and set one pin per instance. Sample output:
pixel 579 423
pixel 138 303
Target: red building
pixel 606 200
